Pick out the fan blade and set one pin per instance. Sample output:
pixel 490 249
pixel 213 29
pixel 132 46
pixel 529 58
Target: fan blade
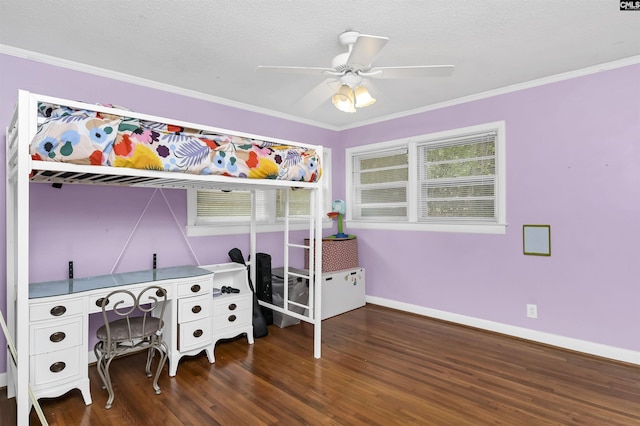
pixel 294 70
pixel 318 95
pixel 366 49
pixel 409 72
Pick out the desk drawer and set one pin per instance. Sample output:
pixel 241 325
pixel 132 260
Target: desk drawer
pixel 96 299
pixel 232 312
pixel 60 308
pixel 56 367
pixel 55 335
pixel 147 297
pixel 195 287
pixel 194 334
pixel 223 305
pixel 193 308
pixel 232 319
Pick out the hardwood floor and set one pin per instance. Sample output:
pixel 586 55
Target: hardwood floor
pixel 378 367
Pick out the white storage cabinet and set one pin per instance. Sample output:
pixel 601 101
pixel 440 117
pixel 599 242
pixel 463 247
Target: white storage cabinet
pixel 342 291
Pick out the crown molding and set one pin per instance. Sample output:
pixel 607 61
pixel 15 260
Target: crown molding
pixel 606 66
pixel 101 72
pixel 127 78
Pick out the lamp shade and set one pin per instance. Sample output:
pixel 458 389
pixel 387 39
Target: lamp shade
pixel 344 99
pixel 363 98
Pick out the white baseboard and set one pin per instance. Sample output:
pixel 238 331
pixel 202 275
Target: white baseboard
pixel 591 348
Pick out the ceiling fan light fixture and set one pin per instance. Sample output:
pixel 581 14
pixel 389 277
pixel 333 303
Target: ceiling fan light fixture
pixel 350 69
pixel 344 99
pixel 363 97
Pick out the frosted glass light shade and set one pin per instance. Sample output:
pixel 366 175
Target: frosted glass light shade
pixel 343 99
pixel 363 98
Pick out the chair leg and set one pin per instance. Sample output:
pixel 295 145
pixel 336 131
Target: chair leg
pixel 108 384
pixel 163 350
pixel 99 360
pixel 150 354
pixel 100 368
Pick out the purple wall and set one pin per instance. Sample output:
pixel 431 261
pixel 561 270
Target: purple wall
pixel 573 155
pixel 573 150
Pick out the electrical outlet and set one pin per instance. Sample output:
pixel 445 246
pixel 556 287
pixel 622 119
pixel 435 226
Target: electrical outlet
pixel 532 311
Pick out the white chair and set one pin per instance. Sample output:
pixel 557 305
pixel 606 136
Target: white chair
pixel 138 327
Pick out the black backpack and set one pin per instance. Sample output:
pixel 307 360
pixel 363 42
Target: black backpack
pixel 259 322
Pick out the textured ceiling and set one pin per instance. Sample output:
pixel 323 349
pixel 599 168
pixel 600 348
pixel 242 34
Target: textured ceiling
pixel 213 47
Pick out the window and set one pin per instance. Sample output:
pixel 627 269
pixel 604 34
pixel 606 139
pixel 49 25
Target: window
pixel 229 212
pixel 449 181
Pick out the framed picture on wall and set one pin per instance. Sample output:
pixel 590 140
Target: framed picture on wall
pixel 536 240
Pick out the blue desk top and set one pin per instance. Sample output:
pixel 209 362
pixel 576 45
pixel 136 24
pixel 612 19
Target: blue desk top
pixel 78 285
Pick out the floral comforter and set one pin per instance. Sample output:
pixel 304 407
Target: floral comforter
pixel 92 138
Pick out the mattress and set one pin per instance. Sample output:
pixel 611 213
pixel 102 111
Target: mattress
pixel 88 137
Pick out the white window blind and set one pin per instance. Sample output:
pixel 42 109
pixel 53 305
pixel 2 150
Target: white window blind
pixel 235 206
pixel 230 206
pixel 299 203
pixel 380 182
pixel 450 181
pixel 456 178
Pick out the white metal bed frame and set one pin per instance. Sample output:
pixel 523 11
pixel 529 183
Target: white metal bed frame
pixel 19 167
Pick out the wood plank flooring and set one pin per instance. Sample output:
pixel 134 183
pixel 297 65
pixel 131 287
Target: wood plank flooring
pixel 378 367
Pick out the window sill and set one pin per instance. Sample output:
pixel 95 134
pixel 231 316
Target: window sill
pixel 235 228
pixel 475 228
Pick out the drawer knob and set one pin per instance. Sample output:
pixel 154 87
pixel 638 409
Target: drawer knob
pixel 56 311
pixel 195 288
pixel 232 307
pixel 198 333
pixel 196 309
pixel 232 318
pixel 160 292
pixel 58 336
pixel 101 300
pixel 57 367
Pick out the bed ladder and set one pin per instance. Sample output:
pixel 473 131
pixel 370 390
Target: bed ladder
pixel 312 308
pixel 314 252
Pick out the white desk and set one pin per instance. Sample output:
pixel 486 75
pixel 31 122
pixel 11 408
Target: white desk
pixel 59 316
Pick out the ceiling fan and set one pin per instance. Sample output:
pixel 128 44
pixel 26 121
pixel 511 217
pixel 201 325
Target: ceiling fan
pixel 344 82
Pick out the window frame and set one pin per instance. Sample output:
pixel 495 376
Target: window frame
pixel 241 225
pixel 412 224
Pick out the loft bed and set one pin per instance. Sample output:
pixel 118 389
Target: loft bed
pixel 56 141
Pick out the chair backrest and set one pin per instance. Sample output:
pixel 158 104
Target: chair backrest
pixel 138 317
